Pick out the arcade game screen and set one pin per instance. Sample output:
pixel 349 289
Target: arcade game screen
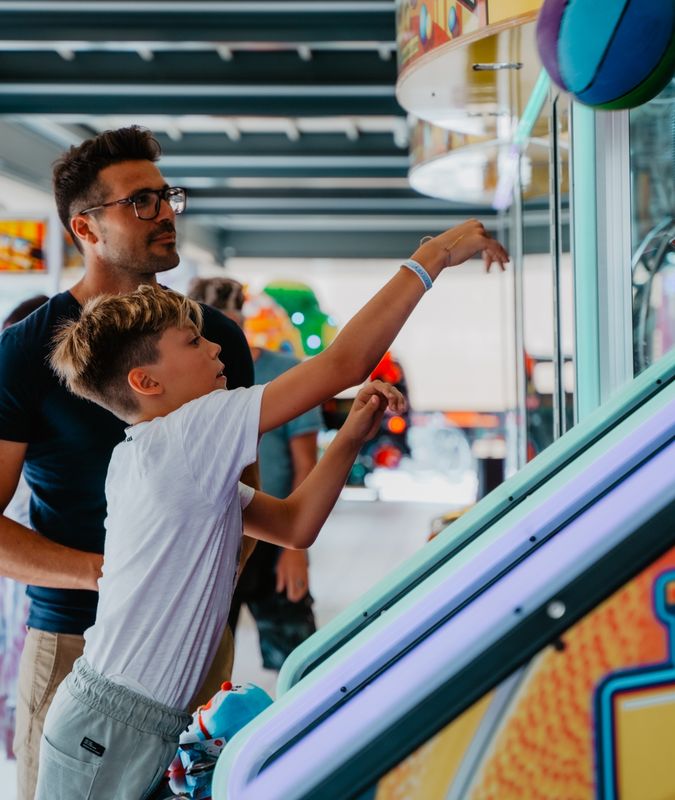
pixel 591 716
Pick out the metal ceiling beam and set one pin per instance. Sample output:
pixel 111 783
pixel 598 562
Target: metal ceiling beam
pixel 392 242
pixel 206 67
pixel 291 236
pixel 200 147
pixel 253 156
pixel 208 20
pixel 311 203
pixel 225 100
pixel 27 155
pixel 175 167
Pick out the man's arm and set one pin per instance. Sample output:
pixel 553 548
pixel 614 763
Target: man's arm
pixel 27 556
pixel 363 341
pixel 292 568
pixel 296 521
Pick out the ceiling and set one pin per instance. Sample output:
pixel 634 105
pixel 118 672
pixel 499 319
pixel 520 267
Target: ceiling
pixel 279 117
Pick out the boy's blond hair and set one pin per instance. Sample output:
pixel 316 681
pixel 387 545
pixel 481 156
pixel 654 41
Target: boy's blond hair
pixel 94 354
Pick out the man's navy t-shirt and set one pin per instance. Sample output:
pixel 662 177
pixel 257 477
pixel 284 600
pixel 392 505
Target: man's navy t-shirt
pixel 70 441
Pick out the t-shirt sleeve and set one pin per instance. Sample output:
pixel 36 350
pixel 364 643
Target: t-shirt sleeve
pixel 309 422
pixel 220 438
pixel 235 352
pixel 18 391
pixel 245 495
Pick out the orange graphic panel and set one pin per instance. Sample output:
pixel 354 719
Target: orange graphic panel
pixel 541 743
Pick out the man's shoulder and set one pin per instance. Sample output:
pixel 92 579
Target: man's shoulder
pixel 33 334
pixel 217 324
pixel 236 353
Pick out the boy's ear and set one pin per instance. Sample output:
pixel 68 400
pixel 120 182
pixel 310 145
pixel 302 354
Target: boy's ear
pixel 80 225
pixel 143 383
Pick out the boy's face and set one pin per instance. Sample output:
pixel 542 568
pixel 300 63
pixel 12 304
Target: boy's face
pixel 188 366
pixel 125 242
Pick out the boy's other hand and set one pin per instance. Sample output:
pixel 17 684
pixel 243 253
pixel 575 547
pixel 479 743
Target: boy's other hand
pixel 456 245
pixel 368 409
pixel 292 574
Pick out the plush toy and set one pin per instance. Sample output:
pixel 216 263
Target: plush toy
pixel 610 54
pixel 213 725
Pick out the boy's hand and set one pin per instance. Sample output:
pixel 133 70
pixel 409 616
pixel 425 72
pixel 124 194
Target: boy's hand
pixel 458 244
pixel 368 409
pixel 292 574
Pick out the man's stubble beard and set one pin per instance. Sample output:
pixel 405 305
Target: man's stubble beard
pixel 149 264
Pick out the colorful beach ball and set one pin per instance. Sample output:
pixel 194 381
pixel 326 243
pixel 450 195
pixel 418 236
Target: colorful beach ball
pixel 609 54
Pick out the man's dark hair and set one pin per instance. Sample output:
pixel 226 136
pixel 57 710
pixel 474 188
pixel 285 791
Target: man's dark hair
pixel 75 174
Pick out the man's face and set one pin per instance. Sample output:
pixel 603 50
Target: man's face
pixel 188 366
pixel 125 242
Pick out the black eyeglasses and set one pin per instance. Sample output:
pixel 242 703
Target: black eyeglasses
pixel 147 203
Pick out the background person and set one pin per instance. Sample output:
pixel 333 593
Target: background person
pixel 274 583
pixel 13 601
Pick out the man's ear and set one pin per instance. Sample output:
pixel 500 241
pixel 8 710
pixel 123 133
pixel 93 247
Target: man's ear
pixel 82 228
pixel 143 383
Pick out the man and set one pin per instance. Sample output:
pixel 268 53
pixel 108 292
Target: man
pixel 275 582
pixel 112 198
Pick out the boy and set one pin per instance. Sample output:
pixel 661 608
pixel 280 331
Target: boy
pixel 174 507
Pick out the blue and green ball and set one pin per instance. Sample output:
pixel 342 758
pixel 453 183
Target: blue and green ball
pixel 609 54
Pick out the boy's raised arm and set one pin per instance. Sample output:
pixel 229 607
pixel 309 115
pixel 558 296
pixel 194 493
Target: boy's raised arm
pixel 295 522
pixel 366 337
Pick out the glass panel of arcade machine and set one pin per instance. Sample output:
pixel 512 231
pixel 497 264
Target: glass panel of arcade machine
pixel 548 325
pixel 652 161
pixel 591 716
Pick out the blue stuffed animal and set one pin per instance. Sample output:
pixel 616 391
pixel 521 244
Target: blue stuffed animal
pixel 213 725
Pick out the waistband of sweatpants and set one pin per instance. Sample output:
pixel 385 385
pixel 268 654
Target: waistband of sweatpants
pixel 123 704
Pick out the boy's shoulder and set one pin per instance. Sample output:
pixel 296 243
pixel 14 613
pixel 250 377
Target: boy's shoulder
pixel 227 399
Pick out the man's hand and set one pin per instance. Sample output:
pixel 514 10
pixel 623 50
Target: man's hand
pixel 368 409
pixel 458 244
pixel 293 574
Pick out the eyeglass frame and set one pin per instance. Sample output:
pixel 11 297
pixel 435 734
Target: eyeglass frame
pixel 161 194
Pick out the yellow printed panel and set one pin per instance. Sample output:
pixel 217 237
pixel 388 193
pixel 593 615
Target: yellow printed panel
pixel 430 771
pixel 543 746
pixel 645 723
pixel 503 10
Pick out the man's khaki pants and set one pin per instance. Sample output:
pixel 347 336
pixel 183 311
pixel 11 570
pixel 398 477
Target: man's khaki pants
pixel 46 660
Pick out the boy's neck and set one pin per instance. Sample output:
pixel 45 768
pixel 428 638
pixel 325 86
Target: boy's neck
pixel 147 414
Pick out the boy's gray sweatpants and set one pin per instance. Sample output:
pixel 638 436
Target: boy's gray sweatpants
pixel 104 741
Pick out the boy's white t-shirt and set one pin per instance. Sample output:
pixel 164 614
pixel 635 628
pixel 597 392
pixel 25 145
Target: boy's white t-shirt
pixel 173 535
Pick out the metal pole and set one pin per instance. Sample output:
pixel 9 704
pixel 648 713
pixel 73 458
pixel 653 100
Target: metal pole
pixel 519 319
pixel 556 258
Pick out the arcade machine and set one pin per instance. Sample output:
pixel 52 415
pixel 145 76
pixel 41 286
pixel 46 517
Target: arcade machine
pixel 526 652
pixel 492 671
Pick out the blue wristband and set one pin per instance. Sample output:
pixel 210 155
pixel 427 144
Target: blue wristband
pixel 421 273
